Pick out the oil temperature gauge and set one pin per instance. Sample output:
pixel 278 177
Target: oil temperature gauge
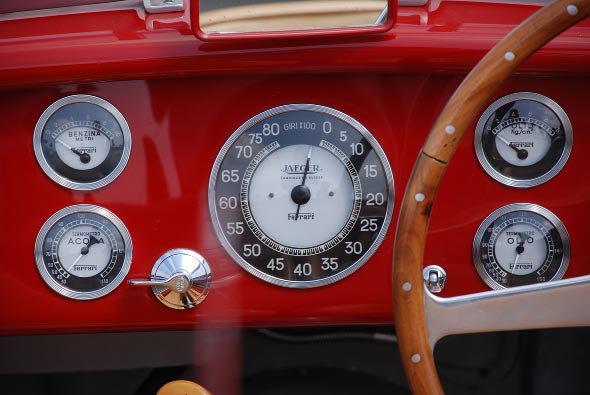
pixel 83 251
pixel 523 139
pixel 82 142
pixel 521 244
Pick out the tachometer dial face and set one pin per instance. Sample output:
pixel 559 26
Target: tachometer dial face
pixel 301 195
pixel 82 142
pixel 521 244
pixel 83 251
pixel 523 139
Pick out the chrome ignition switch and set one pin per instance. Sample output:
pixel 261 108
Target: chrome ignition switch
pixel 435 278
pixel 180 279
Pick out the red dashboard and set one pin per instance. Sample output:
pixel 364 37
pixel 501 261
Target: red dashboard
pixel 182 99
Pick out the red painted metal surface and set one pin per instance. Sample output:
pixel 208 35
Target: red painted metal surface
pixel 123 42
pixel 180 122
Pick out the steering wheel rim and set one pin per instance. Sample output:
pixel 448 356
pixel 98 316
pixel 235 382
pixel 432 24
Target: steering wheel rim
pixel 409 295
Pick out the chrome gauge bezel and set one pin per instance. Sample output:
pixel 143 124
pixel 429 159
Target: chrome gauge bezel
pixel 488 222
pixel 485 158
pixel 54 221
pixel 298 252
pixel 50 169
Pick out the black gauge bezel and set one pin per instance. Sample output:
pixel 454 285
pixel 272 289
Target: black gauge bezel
pixel 64 282
pixel 534 106
pixel 556 238
pixel 82 110
pixel 314 257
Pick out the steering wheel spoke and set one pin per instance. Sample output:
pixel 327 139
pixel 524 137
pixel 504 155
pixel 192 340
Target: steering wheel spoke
pixel 556 304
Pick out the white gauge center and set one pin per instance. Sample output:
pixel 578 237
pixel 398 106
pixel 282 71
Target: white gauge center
pixel 84 251
pixel 325 202
pixel 82 147
pixel 522 143
pixel 520 248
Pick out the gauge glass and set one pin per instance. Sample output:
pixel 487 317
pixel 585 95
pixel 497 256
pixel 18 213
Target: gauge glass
pixel 521 244
pixel 83 251
pixel 523 139
pixel 82 142
pixel 301 195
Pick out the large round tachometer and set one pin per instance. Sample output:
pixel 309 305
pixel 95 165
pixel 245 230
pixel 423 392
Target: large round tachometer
pixel 301 195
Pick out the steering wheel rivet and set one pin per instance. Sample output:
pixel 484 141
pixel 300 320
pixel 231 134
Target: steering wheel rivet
pixel 509 56
pixel 572 10
pixel 419 197
pixel 450 129
pixel 415 358
pixel 406 286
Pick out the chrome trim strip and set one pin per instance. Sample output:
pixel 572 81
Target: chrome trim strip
pixel 555 304
pixel 161 6
pixel 76 9
pixel 411 3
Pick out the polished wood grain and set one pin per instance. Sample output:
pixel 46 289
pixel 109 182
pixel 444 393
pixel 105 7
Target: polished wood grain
pixel 444 137
pixel 182 387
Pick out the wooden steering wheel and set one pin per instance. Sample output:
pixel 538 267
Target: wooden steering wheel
pixel 422 318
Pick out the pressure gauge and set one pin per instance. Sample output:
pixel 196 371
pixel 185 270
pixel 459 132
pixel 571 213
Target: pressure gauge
pixel 301 195
pixel 523 139
pixel 83 251
pixel 82 142
pixel 521 244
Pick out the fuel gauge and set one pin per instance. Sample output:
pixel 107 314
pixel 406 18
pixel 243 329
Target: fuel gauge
pixel 82 142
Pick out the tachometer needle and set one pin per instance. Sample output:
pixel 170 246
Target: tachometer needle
pixel 84 157
pixel 520 152
pixel 301 194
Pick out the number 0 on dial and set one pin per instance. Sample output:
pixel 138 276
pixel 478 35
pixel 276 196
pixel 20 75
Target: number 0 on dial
pixel 301 195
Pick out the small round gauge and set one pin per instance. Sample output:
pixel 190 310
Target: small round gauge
pixel 523 139
pixel 83 251
pixel 521 244
pixel 301 195
pixel 82 142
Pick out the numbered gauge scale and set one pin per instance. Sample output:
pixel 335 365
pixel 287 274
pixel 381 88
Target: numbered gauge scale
pixel 521 244
pixel 523 139
pixel 83 251
pixel 301 195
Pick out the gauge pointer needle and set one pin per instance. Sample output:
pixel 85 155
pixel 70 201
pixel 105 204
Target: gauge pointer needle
pixel 86 248
pixel 84 251
pixel 301 194
pixel 520 153
pixel 519 250
pixel 84 157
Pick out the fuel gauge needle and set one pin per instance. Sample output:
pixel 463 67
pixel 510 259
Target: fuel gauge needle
pixel 520 152
pixel 84 157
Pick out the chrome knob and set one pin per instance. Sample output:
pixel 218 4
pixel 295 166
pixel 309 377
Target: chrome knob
pixel 180 279
pixel 435 278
